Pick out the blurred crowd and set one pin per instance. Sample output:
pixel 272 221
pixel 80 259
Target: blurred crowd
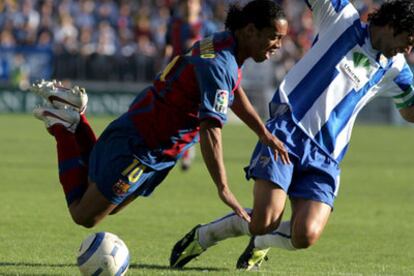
pixel 125 39
pixel 104 39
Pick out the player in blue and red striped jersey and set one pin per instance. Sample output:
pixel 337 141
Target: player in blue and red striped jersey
pixel 187 101
pixel 185 28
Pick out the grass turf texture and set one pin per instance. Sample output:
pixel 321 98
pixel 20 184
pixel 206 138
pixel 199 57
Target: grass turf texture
pixel 369 233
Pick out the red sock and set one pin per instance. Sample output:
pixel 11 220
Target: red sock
pixel 85 137
pixel 73 174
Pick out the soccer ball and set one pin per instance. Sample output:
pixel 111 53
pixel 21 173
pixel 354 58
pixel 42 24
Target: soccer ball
pixel 103 254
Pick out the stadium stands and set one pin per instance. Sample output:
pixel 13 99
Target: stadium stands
pixel 117 41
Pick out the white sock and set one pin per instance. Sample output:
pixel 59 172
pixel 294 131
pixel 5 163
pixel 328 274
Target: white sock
pixel 280 238
pixel 221 229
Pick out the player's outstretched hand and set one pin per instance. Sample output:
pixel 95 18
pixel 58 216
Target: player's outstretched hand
pixel 277 146
pixel 229 199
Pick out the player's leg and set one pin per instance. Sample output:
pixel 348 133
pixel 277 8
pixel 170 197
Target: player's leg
pixel 123 204
pixel 86 204
pixel 268 206
pixel 120 178
pixel 308 221
pixel 312 196
pixel 269 202
pixel 89 209
pixel 75 98
pixel 63 116
pixel 65 120
pixel 312 193
pixel 306 226
pixel 62 124
pixel 85 138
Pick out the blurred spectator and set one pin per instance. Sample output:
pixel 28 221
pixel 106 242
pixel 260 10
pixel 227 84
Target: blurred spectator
pixel 7 39
pixel 45 39
pixel 107 39
pixel 66 32
pixel 85 17
pixel 107 10
pixel 20 73
pixel 86 44
pixel 186 27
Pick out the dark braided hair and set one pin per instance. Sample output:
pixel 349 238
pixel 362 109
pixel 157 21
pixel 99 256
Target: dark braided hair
pixel 398 14
pixel 261 13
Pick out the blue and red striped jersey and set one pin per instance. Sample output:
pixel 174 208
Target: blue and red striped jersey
pixel 192 88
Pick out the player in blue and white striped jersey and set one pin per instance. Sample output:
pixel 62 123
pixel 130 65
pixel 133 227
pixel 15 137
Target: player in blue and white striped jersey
pixel 313 113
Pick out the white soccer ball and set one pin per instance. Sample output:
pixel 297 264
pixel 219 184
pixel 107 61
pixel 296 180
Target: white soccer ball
pixel 103 254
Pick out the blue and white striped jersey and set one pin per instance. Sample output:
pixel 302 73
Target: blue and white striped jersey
pixel 338 76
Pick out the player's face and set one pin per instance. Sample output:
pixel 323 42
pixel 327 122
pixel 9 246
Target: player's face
pixel 268 40
pixel 391 44
pixel 192 7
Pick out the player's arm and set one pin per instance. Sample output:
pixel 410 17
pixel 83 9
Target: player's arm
pixel 246 112
pixel 212 151
pixel 401 90
pixel 326 12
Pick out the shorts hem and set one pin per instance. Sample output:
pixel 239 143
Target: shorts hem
pixel 313 198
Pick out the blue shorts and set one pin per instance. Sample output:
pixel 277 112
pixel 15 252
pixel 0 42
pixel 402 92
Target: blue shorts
pixel 121 165
pixel 312 174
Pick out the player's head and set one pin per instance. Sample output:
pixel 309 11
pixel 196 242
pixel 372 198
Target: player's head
pixel 259 28
pixel 190 7
pixel 392 27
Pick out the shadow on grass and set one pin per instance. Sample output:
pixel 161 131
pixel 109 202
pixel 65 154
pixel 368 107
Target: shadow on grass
pixel 166 267
pixel 131 266
pixel 34 264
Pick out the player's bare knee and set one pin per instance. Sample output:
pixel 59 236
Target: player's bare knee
pixel 114 211
pixel 84 221
pixel 305 237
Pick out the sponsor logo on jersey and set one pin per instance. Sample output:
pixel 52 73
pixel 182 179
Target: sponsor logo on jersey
pixel 360 60
pixel 221 101
pixel 358 69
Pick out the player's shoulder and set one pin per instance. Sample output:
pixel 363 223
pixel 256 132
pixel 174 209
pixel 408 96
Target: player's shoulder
pixel 215 55
pixel 399 64
pixel 219 46
pixel 401 70
pixel 219 51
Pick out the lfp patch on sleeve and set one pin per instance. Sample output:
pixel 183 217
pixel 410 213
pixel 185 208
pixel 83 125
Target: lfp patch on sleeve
pixel 221 101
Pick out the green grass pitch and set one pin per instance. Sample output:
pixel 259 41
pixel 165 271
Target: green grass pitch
pixel 369 233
